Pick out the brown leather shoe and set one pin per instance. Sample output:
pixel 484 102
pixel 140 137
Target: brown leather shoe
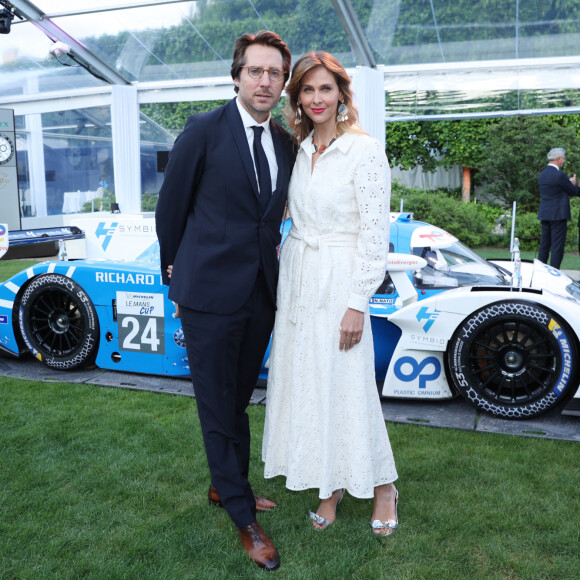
pixel 259 547
pixel 262 504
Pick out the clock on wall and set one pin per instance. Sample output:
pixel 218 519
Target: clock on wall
pixel 6 149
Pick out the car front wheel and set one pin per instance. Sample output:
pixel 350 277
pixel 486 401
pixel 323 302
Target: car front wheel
pixel 58 322
pixel 513 359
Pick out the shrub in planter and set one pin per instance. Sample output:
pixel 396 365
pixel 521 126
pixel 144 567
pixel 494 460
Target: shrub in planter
pixel 470 222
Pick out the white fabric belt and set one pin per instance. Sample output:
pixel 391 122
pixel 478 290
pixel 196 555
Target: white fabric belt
pixel 322 243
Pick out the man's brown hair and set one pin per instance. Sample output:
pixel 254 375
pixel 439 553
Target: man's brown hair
pixel 266 38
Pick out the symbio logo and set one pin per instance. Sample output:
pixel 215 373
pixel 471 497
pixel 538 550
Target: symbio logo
pixel 107 232
pixel 4 124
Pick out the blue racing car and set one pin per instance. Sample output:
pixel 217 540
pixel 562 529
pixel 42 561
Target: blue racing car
pixel 445 321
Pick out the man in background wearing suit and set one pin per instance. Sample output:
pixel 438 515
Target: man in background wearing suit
pixel 218 223
pixel 555 189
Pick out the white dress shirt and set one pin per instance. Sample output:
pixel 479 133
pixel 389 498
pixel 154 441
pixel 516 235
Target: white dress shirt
pixel 267 142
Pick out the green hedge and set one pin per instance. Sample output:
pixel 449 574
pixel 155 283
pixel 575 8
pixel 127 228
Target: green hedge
pixel 474 223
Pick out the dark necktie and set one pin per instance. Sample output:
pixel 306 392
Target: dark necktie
pixel 262 168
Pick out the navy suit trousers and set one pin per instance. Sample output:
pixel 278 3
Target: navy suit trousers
pixel 553 237
pixel 225 355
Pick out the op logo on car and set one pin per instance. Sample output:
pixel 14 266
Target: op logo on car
pixel 407 363
pixel 429 317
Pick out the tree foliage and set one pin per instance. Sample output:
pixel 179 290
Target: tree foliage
pixel 506 154
pixel 411 143
pixel 172 116
pixel 462 142
pixel 432 144
pixel 516 149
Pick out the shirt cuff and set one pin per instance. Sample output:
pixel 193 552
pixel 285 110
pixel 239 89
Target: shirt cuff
pixel 358 302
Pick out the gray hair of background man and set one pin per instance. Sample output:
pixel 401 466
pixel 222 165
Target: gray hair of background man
pixel 556 153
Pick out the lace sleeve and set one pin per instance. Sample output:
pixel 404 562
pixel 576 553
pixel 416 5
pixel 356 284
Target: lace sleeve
pixel 372 183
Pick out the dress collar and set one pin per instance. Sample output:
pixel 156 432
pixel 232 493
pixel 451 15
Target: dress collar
pixel 343 143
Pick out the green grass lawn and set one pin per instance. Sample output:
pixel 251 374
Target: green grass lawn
pixel 107 483
pixel 10 267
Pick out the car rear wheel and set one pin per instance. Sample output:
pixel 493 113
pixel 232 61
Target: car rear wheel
pixel 58 322
pixel 513 359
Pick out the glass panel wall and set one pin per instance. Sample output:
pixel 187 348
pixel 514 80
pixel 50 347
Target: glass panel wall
pixel 417 31
pixel 159 127
pixel 77 157
pixel 24 193
pixel 169 42
pixel 161 123
pixel 184 44
pixel 482 90
pixel 25 68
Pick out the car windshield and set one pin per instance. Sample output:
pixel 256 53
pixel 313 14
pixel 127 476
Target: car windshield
pixel 574 290
pixel 150 255
pixel 454 265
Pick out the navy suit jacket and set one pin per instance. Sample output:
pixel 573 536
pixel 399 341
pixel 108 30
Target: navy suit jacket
pixel 555 190
pixel 208 217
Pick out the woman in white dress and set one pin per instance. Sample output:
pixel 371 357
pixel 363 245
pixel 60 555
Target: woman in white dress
pixel 324 424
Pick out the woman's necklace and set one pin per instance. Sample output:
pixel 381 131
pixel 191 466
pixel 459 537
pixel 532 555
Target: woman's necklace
pixel 323 148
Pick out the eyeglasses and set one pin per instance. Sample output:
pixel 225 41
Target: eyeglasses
pixel 256 72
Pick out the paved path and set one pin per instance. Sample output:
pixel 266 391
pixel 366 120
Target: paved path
pixel 453 414
pixel 574 274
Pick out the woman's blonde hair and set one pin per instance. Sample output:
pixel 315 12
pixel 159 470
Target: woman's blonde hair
pixel 305 64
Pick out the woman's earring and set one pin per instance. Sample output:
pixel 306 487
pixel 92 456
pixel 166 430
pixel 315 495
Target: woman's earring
pixel 342 113
pixel 298 119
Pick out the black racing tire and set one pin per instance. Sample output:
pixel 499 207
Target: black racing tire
pixel 58 322
pixel 513 359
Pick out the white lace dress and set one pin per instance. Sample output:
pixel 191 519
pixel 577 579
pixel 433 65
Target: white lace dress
pixel 324 425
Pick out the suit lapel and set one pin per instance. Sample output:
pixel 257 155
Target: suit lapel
pixel 239 133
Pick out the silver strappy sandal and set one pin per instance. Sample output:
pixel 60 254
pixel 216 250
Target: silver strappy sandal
pixel 323 521
pixel 390 525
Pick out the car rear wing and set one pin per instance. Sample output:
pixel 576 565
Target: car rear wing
pixel 36 237
pixel 42 235
pixel 397 266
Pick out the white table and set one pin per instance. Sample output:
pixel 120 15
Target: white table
pixel 73 200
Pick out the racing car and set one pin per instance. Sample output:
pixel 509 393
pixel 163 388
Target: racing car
pixel 504 335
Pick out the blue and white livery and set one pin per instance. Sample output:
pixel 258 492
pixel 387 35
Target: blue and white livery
pixel 445 322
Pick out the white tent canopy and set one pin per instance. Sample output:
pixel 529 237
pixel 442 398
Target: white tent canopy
pixel 81 76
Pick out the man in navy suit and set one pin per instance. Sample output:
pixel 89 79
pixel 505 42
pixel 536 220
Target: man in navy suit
pixel 555 190
pixel 218 223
